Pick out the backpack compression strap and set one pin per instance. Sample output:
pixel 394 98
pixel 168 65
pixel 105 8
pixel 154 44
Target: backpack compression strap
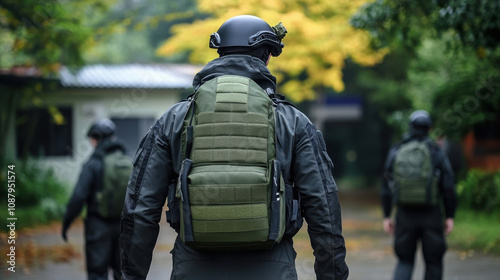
pixel 187 163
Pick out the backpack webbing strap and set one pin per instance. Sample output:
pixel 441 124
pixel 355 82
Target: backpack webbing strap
pixel 190 133
pixel 188 227
pixel 274 227
pixel 187 163
pixel 430 181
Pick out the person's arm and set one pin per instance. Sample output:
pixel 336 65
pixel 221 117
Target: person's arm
pixel 386 192
pixel 388 225
pixel 144 201
pixel 449 224
pixel 80 195
pixel 312 174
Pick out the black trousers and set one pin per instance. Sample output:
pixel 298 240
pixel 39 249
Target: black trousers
pixel 276 264
pixel 102 248
pixel 424 225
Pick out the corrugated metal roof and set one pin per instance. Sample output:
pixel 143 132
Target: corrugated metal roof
pixel 161 76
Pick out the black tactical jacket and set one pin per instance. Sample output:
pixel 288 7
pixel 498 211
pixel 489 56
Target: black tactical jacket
pixel 305 166
pixel 89 182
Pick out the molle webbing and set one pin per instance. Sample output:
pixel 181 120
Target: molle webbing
pixel 233 152
pixel 414 175
pixel 232 132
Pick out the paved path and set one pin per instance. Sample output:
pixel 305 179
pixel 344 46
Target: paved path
pixel 42 255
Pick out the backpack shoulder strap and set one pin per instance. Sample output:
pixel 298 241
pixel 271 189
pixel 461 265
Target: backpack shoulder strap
pixel 278 98
pixel 433 150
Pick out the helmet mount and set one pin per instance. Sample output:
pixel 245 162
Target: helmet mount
pixel 248 32
pixel 214 40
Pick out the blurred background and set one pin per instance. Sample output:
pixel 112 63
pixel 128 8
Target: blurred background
pixel 356 68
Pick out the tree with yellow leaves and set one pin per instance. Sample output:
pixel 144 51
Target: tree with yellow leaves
pixel 318 42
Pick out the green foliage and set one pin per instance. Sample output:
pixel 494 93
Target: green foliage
pixel 392 23
pixel 46 33
pixel 132 31
pixel 387 88
pixel 42 34
pixel 40 196
pixel 130 46
pixel 467 101
pixel 480 191
pixel 474 23
pixel 458 88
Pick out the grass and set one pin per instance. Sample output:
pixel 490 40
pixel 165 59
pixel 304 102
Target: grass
pixel 476 231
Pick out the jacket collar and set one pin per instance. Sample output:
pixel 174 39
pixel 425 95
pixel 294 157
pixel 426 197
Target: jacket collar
pixel 242 65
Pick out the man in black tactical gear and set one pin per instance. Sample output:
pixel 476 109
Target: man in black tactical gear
pixel 245 45
pixel 419 221
pixel 101 234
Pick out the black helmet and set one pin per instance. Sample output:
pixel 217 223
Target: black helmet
pixel 101 129
pixel 247 31
pixel 420 118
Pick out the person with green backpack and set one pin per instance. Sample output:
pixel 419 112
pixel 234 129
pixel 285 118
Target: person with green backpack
pixel 240 168
pixel 418 179
pixel 101 188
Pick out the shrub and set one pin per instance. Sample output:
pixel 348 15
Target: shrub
pixel 40 196
pixel 480 191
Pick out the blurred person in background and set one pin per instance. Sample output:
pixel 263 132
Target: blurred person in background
pixel 419 180
pixel 101 188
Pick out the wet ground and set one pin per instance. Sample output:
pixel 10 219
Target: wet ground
pixel 41 254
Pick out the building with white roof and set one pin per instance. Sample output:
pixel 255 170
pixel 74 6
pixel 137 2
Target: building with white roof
pixel 132 95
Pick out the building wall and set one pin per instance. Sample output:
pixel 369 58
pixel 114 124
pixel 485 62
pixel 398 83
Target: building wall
pixel 90 105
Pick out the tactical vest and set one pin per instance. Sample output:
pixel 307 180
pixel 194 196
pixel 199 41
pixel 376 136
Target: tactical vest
pixel 230 187
pixel 415 181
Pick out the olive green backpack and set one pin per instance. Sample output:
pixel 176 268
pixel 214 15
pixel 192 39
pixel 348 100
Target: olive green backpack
pixel 230 187
pixel 415 180
pixel 110 198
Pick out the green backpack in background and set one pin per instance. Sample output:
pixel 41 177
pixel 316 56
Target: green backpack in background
pixel 230 187
pixel 110 198
pixel 415 182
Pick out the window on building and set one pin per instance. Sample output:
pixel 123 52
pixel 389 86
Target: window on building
pixel 130 131
pixel 38 134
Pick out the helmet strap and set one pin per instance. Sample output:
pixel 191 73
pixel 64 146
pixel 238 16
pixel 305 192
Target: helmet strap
pixel 268 59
